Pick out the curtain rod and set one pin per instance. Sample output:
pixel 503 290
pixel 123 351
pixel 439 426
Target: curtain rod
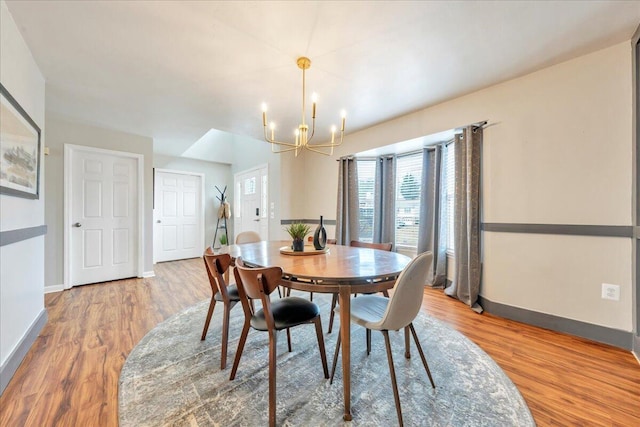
pixel 475 125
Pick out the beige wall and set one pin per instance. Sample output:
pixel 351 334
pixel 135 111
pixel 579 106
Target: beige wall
pixel 558 151
pixel 60 132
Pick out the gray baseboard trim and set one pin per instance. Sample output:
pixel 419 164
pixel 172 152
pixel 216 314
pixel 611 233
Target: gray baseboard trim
pixel 15 358
pixel 636 347
pixel 614 337
pixel 307 221
pixel 567 229
pixel 14 236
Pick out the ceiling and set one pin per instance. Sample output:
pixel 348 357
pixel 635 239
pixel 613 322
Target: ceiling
pixel 175 70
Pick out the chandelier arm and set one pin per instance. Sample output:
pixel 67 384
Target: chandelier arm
pixel 310 148
pixel 337 144
pixel 285 150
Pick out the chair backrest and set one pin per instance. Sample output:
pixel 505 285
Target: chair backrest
pixel 216 266
pixel 258 282
pixel 247 237
pixel 406 300
pixel 382 246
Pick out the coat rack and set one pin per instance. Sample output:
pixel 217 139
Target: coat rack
pixel 224 213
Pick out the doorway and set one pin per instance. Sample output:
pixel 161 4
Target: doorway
pixel 103 215
pixel 252 201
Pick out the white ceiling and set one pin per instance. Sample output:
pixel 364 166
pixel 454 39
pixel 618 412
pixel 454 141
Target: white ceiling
pixel 174 70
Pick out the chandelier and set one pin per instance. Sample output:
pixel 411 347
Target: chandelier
pixel 302 136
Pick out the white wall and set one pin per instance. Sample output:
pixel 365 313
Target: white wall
pixel 215 174
pixel 61 131
pixel 558 151
pixel 22 264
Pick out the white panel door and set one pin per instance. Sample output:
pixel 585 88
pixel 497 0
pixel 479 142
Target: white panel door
pixel 179 221
pixel 252 210
pixel 104 214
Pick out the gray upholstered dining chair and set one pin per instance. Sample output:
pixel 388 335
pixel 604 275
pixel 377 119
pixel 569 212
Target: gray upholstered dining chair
pixel 391 314
pixel 284 313
pixel 334 300
pixel 217 266
pixel 247 237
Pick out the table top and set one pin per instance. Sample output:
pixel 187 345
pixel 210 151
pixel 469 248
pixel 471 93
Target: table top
pixel 339 264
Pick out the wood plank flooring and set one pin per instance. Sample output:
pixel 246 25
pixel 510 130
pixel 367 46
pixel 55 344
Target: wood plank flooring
pixel 70 375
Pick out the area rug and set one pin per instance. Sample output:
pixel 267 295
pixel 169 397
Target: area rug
pixel 172 378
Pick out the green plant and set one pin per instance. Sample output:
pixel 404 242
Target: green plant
pixel 298 230
pixel 223 239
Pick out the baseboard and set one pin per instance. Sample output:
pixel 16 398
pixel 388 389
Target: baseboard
pixel 614 337
pixel 148 274
pixel 53 288
pixel 636 347
pixel 17 355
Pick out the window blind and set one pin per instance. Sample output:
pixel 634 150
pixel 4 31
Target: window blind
pixel 366 186
pixel 408 189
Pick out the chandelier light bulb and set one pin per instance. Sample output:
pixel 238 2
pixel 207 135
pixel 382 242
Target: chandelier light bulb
pixel 264 107
pixel 314 97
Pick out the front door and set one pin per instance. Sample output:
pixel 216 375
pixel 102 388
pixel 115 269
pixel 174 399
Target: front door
pixel 178 215
pixel 252 201
pixel 104 228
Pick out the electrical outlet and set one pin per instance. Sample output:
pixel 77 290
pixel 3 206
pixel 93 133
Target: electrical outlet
pixel 611 292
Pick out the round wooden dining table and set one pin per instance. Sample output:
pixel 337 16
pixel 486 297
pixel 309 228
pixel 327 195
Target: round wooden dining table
pixel 344 270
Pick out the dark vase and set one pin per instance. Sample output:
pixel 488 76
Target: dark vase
pixel 298 245
pixel 320 236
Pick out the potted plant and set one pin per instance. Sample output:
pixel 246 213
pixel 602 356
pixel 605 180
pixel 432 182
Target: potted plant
pixel 298 231
pixel 223 240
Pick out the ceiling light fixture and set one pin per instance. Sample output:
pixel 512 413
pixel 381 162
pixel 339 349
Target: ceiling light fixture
pixel 302 137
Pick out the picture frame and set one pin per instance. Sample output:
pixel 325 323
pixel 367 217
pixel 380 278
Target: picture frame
pixel 20 148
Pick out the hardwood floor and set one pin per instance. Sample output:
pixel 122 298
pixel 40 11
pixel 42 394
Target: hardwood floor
pixel 70 375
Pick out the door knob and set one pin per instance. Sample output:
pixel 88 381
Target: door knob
pixel 257 220
pixel 158 221
pixel 77 224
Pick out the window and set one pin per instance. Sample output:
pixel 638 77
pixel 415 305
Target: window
pixel 366 184
pixel 250 185
pixel 408 184
pixel 450 165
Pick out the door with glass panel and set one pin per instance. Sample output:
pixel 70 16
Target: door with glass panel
pixel 251 202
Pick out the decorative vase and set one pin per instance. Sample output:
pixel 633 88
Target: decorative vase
pixel 298 245
pixel 320 236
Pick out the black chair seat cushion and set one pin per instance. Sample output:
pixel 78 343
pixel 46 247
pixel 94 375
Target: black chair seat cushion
pixel 233 294
pixel 287 312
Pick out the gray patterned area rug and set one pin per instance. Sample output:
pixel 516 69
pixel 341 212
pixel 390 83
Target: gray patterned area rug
pixel 171 378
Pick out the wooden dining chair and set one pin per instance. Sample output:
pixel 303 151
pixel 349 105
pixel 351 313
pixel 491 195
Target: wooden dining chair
pixel 334 300
pixel 285 313
pixel 391 314
pixel 217 266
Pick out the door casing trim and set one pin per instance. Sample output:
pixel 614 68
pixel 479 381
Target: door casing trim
pixel 69 149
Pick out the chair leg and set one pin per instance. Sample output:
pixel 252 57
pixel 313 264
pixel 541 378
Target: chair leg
pixel 279 292
pixel 311 296
pixel 273 338
pixel 212 305
pixel 289 339
pixel 243 339
pixel 334 301
pixel 424 359
pixel 385 293
pixel 407 349
pixel 368 341
pixel 335 359
pixel 225 335
pixel 323 354
pixel 392 371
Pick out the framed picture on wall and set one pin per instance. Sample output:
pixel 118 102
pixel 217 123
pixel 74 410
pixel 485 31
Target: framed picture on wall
pixel 19 149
